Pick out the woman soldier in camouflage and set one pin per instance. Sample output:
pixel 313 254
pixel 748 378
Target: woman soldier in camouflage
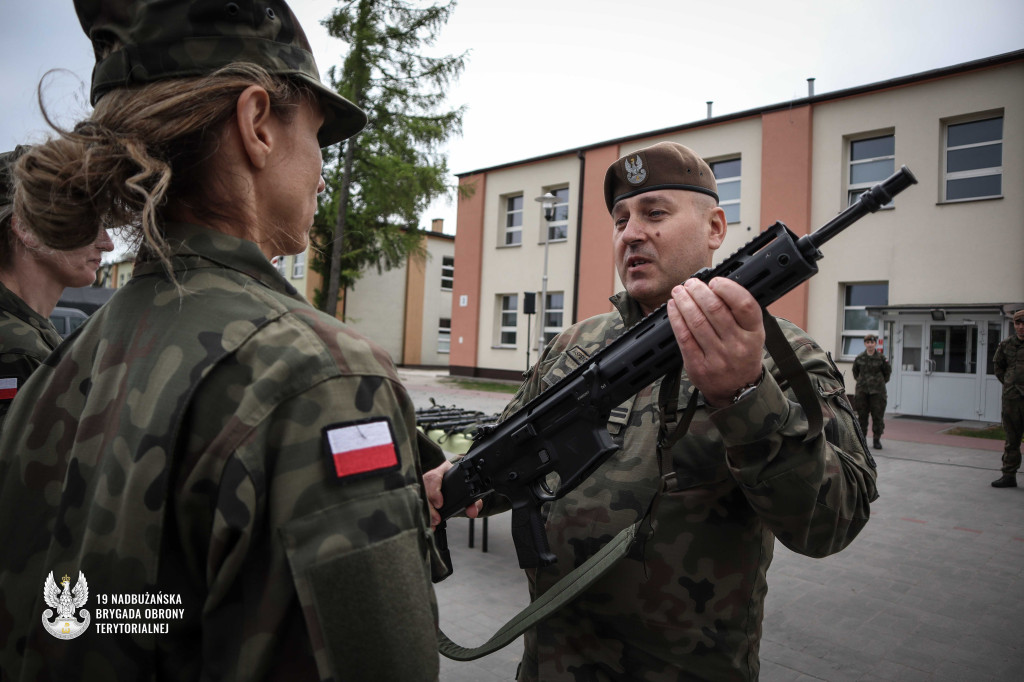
pixel 32 279
pixel 233 475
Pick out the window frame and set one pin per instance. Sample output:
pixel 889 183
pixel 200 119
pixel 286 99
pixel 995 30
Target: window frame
pixel 948 176
pixel 728 180
pixel 509 212
pixel 507 304
pixel 855 189
pixel 299 265
pixel 551 331
pixel 851 333
pixel 447 272
pixel 444 335
pixel 559 223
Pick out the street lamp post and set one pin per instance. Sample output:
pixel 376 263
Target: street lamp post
pixel 548 201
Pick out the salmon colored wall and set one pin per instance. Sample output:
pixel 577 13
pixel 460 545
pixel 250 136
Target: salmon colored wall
pixel 468 259
pixel 597 271
pixel 415 281
pixel 786 189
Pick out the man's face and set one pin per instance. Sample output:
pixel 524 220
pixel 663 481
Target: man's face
pixel 1018 326
pixel 662 237
pixel 869 346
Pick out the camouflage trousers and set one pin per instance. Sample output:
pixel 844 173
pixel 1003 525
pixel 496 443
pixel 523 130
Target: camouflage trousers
pixel 1013 424
pixel 870 404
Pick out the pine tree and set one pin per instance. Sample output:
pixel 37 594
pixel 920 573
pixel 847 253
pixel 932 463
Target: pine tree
pixel 380 181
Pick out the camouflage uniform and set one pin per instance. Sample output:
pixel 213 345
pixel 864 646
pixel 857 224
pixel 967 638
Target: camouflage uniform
pixel 26 338
pixel 1009 365
pixel 688 603
pixel 181 444
pixel 871 372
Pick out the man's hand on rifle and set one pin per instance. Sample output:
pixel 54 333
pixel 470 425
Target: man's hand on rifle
pixel 720 334
pixel 432 486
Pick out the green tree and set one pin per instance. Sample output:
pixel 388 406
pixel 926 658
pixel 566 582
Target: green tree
pixel 380 181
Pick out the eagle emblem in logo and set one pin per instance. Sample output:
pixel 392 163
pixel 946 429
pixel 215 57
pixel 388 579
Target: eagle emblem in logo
pixel 635 171
pixel 66 624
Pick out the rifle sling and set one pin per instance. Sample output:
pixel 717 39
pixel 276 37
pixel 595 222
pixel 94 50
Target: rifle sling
pixel 560 594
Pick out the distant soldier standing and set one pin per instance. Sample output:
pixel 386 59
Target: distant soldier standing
pixel 1009 364
pixel 871 370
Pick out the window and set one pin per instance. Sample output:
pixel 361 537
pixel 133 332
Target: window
pixel 554 307
pixel 871 161
pixel 507 304
pixel 727 176
pixel 447 272
pixel 974 159
pixel 856 321
pixel 278 262
pixel 444 335
pixel 299 265
pixel 558 226
pixel 513 221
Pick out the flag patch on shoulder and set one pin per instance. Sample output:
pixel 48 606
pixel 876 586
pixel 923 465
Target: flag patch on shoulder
pixel 8 388
pixel 361 448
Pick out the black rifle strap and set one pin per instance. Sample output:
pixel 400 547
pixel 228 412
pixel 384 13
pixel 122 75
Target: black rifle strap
pixel 560 594
pixel 794 372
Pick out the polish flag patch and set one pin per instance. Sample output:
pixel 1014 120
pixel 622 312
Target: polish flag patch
pixel 361 448
pixel 8 388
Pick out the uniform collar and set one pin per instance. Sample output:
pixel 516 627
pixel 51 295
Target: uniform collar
pixel 193 247
pixel 629 309
pixel 14 304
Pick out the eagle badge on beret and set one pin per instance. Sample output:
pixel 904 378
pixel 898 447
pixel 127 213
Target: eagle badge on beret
pixel 635 171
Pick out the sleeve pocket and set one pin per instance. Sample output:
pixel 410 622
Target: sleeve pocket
pixel 361 574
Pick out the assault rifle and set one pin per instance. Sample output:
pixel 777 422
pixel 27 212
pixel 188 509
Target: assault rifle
pixel 563 430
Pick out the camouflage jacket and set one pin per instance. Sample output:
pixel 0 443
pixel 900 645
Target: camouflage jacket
pixel 238 459
pixel 26 338
pixel 1008 361
pixel 688 603
pixel 871 372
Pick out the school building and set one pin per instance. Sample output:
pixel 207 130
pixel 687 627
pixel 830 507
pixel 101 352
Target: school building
pixel 936 274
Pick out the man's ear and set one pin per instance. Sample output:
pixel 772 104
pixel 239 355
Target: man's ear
pixel 718 226
pixel 253 117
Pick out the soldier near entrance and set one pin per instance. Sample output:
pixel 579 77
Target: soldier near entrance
pixel 871 370
pixel 1009 365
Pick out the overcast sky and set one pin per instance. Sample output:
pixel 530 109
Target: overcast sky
pixel 549 75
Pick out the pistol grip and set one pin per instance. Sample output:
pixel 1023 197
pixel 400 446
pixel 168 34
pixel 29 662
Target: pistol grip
pixel 528 535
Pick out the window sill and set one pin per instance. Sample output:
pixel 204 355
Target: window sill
pixel 509 246
pixel 968 200
pixel 504 347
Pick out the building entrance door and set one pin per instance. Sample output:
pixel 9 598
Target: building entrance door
pixel 940 368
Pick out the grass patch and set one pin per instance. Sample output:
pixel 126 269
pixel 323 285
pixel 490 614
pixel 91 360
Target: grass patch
pixel 482 385
pixel 989 432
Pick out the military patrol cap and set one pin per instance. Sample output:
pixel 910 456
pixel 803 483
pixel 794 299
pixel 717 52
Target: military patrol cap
pixel 871 337
pixel 666 165
pixel 160 39
pixel 1019 315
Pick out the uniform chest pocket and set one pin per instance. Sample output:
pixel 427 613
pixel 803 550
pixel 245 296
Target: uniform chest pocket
pixel 698 458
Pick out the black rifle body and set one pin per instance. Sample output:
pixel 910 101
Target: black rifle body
pixel 563 430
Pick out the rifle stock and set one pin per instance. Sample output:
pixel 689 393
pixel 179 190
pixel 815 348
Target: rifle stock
pixel 563 430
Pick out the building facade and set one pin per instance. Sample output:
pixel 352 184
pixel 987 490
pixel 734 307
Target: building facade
pixel 935 274
pixel 406 311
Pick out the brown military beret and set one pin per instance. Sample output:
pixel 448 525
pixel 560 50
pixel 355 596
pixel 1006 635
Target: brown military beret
pixel 1019 315
pixel 158 39
pixel 666 165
